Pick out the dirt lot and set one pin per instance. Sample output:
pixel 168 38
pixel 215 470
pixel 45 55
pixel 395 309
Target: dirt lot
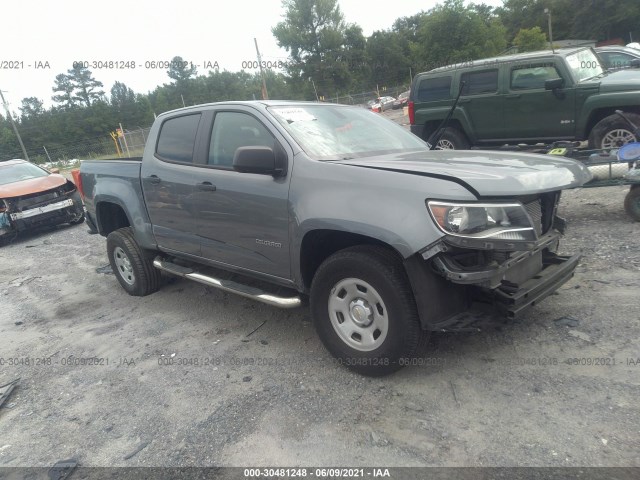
pixel 191 376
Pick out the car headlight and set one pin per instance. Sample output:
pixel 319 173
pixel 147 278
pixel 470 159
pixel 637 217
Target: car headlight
pixel 501 221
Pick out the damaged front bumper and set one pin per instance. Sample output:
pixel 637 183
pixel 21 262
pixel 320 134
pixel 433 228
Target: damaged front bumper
pixel 452 296
pixel 41 210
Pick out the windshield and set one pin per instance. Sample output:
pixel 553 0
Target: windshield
pixel 20 171
pixel 584 64
pixel 328 132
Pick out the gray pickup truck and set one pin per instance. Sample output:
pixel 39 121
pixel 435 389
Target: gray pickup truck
pixel 283 201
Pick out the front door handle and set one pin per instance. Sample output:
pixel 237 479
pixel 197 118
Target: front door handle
pixel 154 179
pixel 206 187
pixel 514 95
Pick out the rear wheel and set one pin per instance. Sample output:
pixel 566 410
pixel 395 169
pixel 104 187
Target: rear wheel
pixel 364 311
pixel 132 266
pixel 613 132
pixel 452 139
pixel 632 203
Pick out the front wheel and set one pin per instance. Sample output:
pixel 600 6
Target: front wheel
pixel 132 266
pixel 613 132
pixel 364 311
pixel 632 203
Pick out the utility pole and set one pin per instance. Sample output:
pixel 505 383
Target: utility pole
pixel 314 89
pixel 15 128
pixel 265 94
pixel 548 12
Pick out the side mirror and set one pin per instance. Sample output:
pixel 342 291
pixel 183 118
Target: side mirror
pixel 554 84
pixel 255 159
pixel 635 63
pixel 54 170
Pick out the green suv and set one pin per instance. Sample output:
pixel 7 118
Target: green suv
pixel 527 98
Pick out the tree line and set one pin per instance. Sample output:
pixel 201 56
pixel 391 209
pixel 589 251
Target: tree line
pixel 328 58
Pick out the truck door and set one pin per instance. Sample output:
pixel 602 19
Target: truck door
pixel 531 112
pixel 243 218
pixel 168 182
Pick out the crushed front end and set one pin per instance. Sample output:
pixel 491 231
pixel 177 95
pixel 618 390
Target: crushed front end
pixel 496 259
pixel 40 209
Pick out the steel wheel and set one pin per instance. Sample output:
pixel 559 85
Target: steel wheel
pixel 132 265
pixel 617 138
pixel 123 264
pixel 364 310
pixel 358 314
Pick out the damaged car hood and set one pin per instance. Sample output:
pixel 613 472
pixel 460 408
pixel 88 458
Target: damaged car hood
pixel 33 185
pixel 485 173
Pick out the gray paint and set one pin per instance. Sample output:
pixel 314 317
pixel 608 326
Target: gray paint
pixel 382 197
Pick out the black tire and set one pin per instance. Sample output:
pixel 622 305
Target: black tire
pixel 632 203
pixel 602 135
pixel 382 270
pixel 78 220
pixel 451 139
pixel 132 266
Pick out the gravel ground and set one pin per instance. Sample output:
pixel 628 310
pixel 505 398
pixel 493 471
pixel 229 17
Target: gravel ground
pixel 191 376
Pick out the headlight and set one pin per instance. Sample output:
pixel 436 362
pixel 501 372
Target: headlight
pixel 501 221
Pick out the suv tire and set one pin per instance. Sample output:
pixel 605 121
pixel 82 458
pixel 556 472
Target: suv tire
pixel 613 132
pixel 364 310
pixel 452 139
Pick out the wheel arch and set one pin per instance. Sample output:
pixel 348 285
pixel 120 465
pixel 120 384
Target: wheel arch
pixel 111 216
pixel 318 245
pixel 599 114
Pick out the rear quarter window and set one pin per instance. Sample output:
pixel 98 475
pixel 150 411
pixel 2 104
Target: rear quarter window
pixel 431 89
pixel 177 138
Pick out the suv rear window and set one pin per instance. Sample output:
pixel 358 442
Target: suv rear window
pixel 177 138
pixel 432 89
pixel 480 82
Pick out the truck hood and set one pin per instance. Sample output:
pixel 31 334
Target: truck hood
pixel 621 81
pixel 33 185
pixel 485 173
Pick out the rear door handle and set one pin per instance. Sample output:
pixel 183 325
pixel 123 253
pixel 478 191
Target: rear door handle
pixel 154 179
pixel 513 95
pixel 206 187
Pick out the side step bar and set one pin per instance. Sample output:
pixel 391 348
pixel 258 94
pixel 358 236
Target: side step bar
pixel 228 285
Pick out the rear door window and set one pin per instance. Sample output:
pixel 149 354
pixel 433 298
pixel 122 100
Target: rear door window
pixel 177 139
pixel 477 83
pixel 434 88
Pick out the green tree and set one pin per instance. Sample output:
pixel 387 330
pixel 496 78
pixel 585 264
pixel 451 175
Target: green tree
pixel 181 70
pixel 314 34
pixel 31 107
pixel 530 39
pixel 453 32
pixel 86 88
pixel 64 87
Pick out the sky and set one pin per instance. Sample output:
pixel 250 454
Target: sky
pixel 41 39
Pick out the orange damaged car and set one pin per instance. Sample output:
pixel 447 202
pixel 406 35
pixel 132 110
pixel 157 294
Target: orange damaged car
pixel 32 197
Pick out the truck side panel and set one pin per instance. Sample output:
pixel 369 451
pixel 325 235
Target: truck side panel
pixel 116 183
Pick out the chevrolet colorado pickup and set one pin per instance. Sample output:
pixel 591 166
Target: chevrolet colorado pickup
pixel 527 98
pixel 283 201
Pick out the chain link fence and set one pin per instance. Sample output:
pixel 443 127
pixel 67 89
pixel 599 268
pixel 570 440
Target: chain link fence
pixel 64 156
